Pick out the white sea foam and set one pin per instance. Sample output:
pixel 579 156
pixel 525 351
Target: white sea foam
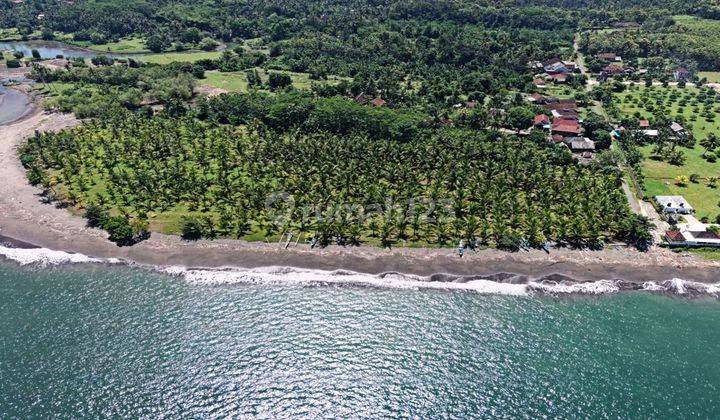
pixel 600 287
pixel 45 257
pixel 288 275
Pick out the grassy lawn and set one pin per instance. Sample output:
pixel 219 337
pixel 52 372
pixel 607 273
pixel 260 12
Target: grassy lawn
pixel 660 176
pixel 237 81
pixel 125 45
pixel 712 76
pixel 708 254
pixel 170 57
pixel 232 82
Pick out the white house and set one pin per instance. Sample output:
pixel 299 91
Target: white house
pixel 674 204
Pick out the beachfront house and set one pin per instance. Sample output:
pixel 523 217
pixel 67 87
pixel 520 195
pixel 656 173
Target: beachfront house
pixel 673 204
pixel 686 237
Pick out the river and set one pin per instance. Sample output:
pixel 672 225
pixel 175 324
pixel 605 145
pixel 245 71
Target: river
pixel 99 340
pixel 47 49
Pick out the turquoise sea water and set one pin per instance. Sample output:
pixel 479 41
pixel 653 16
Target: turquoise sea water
pixel 95 341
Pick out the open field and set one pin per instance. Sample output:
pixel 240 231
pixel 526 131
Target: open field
pixel 660 180
pixel 683 104
pixel 169 57
pixel 711 76
pixel 237 81
pixel 125 45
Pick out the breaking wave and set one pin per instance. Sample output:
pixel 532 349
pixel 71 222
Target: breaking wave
pixel 500 283
pixel 44 257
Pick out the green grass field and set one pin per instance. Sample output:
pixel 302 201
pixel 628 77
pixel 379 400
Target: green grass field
pixel 237 81
pixel 711 76
pixel 660 176
pixel 125 45
pixel 170 57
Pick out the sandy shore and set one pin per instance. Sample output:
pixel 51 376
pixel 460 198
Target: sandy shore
pixel 25 217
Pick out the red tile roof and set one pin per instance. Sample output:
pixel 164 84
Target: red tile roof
pixel 613 69
pixel 674 236
pixel 644 123
pixel 566 126
pixel 541 119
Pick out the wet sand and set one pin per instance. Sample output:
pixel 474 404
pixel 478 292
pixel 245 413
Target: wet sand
pixel 26 218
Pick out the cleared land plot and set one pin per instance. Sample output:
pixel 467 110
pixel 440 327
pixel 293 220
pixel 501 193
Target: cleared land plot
pixel 660 176
pixel 237 81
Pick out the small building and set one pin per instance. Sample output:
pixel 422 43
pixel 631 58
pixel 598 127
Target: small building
pixel 536 98
pixel 539 83
pixel 677 128
pixel 559 77
pixel 566 129
pixel 542 121
pixel 555 65
pixel 377 102
pixel 471 104
pixel 609 57
pixel 626 25
pixel 650 133
pixel 681 73
pixel 673 204
pixel 580 144
pixel 613 70
pixel 687 237
pixel 644 124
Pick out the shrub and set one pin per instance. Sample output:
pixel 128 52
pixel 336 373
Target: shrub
pixel 279 80
pixel 508 242
pixel 681 180
pixel 120 230
pixel 192 229
pixel 96 215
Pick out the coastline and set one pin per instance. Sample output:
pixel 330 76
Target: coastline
pixel 25 218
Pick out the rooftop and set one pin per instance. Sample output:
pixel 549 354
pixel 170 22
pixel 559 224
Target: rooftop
pixel 673 201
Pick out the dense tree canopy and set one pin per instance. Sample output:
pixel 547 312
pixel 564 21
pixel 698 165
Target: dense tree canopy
pixel 445 186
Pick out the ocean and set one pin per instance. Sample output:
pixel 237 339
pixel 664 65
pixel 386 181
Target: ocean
pixel 89 339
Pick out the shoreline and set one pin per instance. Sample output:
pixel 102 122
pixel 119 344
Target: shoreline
pixel 25 218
